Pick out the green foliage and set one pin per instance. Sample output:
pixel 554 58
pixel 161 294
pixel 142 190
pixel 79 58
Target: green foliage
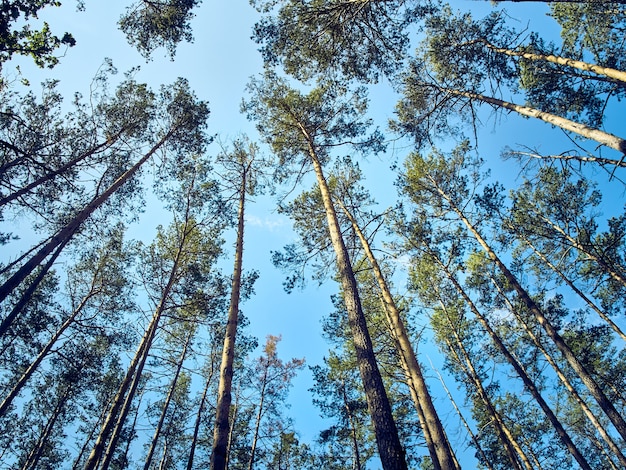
pixel 359 39
pixel 39 44
pixel 150 24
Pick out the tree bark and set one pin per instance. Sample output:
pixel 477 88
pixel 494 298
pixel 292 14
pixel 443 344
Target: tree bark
pixel 604 403
pixel 603 138
pixel 441 453
pixel 220 436
pixel 389 447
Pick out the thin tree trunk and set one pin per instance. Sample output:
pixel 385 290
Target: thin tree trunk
pixel 578 292
pixel 67 232
pixel 565 381
pixel 604 403
pixel 166 404
pixel 473 437
pixel 196 426
pixel 441 452
pixel 62 169
pixel 121 402
pixel 38 450
pixel 580 247
pixel 519 369
pixel 259 415
pixel 30 370
pixel 387 440
pixel 220 436
pixel 577 64
pixel 511 446
pixel 603 138
pixel 355 441
pixel 30 290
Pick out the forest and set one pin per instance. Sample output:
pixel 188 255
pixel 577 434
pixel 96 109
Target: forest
pixel 312 235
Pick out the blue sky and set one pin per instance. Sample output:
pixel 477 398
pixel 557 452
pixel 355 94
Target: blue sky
pixel 218 64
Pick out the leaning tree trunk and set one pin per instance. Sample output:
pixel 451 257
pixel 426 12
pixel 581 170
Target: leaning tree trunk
pixel 605 404
pixel 259 415
pixel 121 402
pixel 511 446
pixel 67 232
pixel 62 169
pixel 614 74
pixel 603 138
pixel 30 370
pixel 566 382
pixel 166 404
pixel 389 446
pixel 572 286
pixel 439 447
pixel 220 437
pixel 519 369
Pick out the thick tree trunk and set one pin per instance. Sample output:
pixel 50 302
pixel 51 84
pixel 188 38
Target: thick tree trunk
pixel 441 453
pixel 605 404
pixel 387 440
pixel 220 436
pixel 166 404
pixel 67 232
pixel 603 138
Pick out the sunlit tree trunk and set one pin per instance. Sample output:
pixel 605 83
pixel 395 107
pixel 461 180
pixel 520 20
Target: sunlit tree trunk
pixel 441 453
pixel 387 440
pixel 603 138
pixel 220 437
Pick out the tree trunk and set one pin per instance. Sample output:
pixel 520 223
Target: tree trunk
pixel 220 436
pixel 439 447
pixel 67 232
pixel 355 441
pixel 387 440
pixel 604 403
pixel 38 450
pixel 30 370
pixel 578 292
pixel 259 415
pixel 30 290
pixel 603 138
pixel 121 402
pixel 578 64
pixel 580 247
pixel 511 446
pixel 485 461
pixel 196 426
pixel 166 404
pixel 62 169
pixel 565 381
